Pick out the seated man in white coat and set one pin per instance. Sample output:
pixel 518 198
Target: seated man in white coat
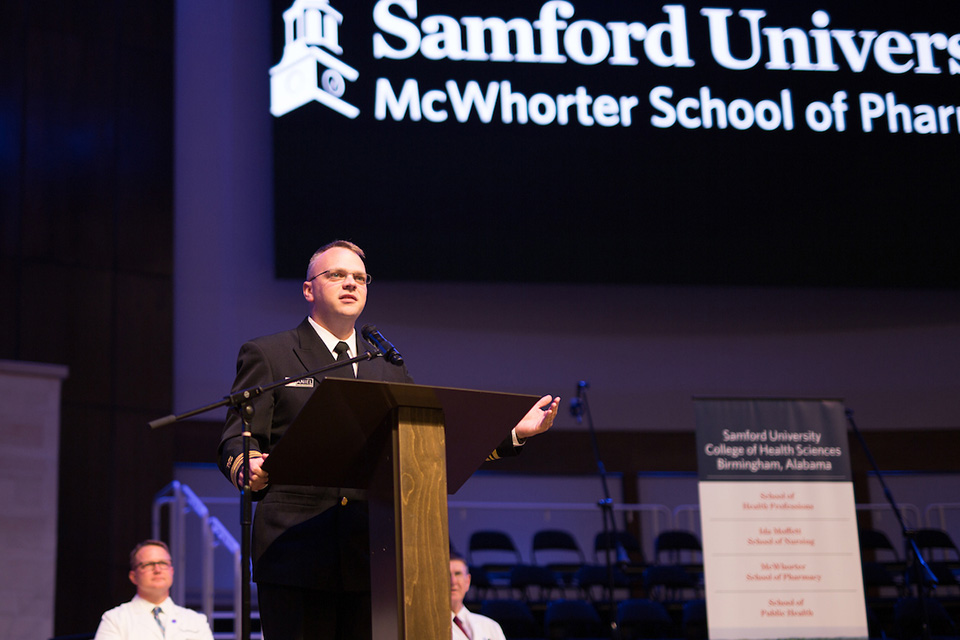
pixel 465 624
pixel 151 613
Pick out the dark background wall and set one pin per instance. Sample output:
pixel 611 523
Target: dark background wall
pixel 87 262
pixel 86 189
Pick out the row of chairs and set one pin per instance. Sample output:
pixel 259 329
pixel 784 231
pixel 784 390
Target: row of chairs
pixel 558 561
pixel 549 542
pixel 674 580
pixel 935 544
pixel 538 585
pixel 885 569
pixel 635 618
pixel 560 568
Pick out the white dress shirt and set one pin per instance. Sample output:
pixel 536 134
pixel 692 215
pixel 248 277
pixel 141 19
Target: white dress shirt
pixel 330 341
pixel 480 627
pixel 134 621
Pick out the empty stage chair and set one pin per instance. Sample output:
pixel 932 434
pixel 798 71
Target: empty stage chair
pixel 514 617
pixel 573 619
pixel 938 541
pixel 495 554
pixel 558 551
pixel 670 583
pixel 480 585
pixel 594 582
pixel 877 541
pixel 678 547
pixel 877 579
pixel 643 618
pixel 623 546
pixel 624 550
pixel 881 564
pixel 942 556
pixel 534 583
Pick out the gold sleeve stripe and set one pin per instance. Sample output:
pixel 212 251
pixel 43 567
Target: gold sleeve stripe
pixel 237 465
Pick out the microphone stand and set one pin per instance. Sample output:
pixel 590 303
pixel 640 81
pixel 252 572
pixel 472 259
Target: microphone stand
pixel 578 407
pixel 241 402
pixel 922 574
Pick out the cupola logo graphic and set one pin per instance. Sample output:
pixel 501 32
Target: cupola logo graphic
pixel 309 69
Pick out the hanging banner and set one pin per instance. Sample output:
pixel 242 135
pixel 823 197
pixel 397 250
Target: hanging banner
pixel 780 547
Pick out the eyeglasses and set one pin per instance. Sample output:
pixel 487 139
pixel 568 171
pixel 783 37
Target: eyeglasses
pixel 335 276
pixel 163 565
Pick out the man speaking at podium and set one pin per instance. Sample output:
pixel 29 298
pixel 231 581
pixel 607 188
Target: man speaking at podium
pixel 310 545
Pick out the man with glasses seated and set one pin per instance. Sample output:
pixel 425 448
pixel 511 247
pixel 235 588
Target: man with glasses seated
pixel 310 545
pixel 466 624
pixel 151 613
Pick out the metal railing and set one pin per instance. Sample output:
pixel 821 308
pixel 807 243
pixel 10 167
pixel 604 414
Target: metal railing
pixel 656 509
pixel 181 501
pixel 879 510
pixel 686 516
pixel 660 516
pixel 939 509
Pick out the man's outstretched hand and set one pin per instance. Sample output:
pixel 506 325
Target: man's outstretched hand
pixel 539 418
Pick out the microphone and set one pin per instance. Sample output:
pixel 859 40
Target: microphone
pixel 576 404
pixel 377 341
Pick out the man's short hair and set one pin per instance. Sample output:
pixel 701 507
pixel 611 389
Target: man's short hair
pixel 141 545
pixel 343 244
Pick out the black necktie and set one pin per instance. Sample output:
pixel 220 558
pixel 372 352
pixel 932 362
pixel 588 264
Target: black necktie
pixel 341 351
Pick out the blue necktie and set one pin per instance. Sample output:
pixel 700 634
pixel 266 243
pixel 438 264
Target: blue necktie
pixel 156 616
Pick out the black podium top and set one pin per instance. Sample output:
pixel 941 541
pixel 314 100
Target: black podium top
pixel 338 437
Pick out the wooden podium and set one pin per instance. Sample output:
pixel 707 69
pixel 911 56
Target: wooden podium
pixel 409 446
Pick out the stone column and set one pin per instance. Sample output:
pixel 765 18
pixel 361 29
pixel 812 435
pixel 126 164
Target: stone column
pixel 30 441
